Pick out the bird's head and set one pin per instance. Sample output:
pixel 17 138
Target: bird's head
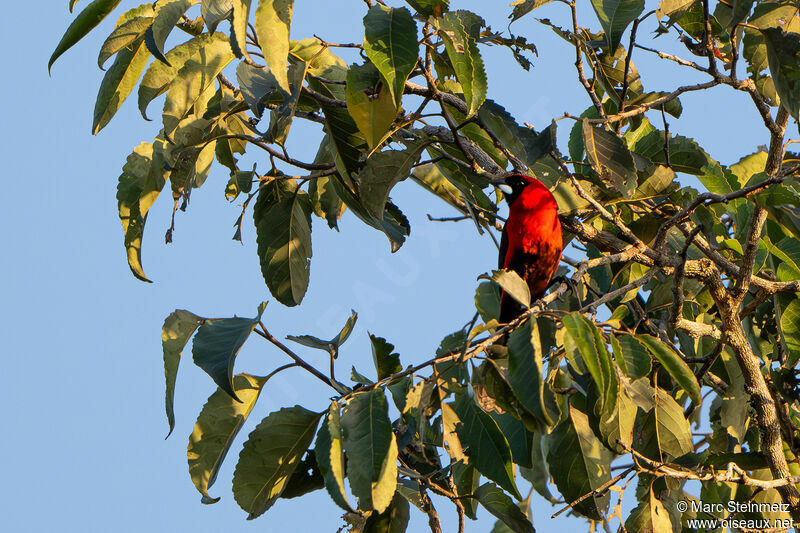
pixel 514 185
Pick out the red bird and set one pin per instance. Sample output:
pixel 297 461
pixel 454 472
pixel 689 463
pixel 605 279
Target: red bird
pixel 531 244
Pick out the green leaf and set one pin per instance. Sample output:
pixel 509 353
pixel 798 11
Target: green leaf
pixel 159 75
pixel 85 22
pixel 321 191
pixel 281 118
pixel 485 444
pixel 282 217
pixel 616 425
pixel 386 361
pixel 428 8
pixel 615 16
pixel 168 14
pixel 790 327
pixel 649 515
pixel 501 506
pixel 197 74
pixel 215 11
pixel 218 342
pixel 258 86
pixel 175 333
pixel 466 59
pixel 217 425
pixel 393 520
pixel 663 433
pixel 241 15
pixel 122 36
pixel 330 457
pixel 270 456
pixel 370 103
pixel 383 171
pixel 525 370
pixel 503 125
pixel 523 7
pixel 539 474
pixel 579 463
pixel 673 9
pixel 518 437
pixel 272 23
pixel 674 364
pixel 394 224
pixel 390 43
pixel 332 345
pixel 371 450
pixel 610 158
pixel 589 343
pixel 466 479
pixel 511 284
pixel 631 356
pixel 784 65
pixel 487 302
pixel 118 83
pixel 140 183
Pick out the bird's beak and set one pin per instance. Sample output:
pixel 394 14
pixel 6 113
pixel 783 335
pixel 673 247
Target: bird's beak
pixel 505 188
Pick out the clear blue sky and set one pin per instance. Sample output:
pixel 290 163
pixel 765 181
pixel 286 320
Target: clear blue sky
pixel 82 378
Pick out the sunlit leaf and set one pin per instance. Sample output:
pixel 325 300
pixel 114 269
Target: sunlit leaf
pixel 466 59
pixel 330 457
pixel 178 328
pixel 217 425
pixel 369 102
pixel 85 22
pixel 501 506
pixel 674 364
pixel 282 217
pixel 610 158
pixel 272 23
pixel 269 457
pixel 118 83
pixel 615 16
pixel 525 371
pixel 390 43
pixel 123 36
pixel 371 450
pixel 168 13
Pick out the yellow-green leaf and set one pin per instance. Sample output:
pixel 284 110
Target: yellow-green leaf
pixel 217 425
pixel 273 21
pixel 175 333
pixel 118 83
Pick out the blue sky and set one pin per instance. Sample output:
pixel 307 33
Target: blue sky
pixel 82 379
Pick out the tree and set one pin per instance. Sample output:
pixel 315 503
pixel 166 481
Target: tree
pixel 678 295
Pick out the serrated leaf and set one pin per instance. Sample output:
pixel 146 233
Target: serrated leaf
pixel 159 75
pixel 140 183
pixel 369 102
pixel 272 23
pixel 215 11
pixel 511 284
pixel 281 118
pixel 217 344
pixel 118 83
pixel 217 425
pixel 663 433
pixel 330 457
pixel 674 364
pixel 270 456
pixel 371 450
pixel 393 520
pixel 239 20
pixel 783 53
pixel 381 173
pixel 525 370
pixel 610 158
pixel 178 328
pixel 390 43
pixel 523 7
pixel 168 14
pixel 466 59
pixel 282 217
pixel 501 506
pixel 85 22
pixel 123 36
pixel 193 79
pixel 387 362
pixel 485 444
pixel 631 356
pixel 615 16
pixel 579 463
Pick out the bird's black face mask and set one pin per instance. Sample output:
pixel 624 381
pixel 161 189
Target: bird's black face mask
pixel 512 187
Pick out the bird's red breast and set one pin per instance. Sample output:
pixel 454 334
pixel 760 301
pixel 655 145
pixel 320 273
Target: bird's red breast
pixel 531 243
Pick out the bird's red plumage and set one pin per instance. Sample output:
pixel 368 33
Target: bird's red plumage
pixel 531 244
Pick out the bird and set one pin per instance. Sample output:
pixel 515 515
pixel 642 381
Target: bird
pixel 531 242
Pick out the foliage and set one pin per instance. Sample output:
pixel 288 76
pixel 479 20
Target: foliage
pixel 682 309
